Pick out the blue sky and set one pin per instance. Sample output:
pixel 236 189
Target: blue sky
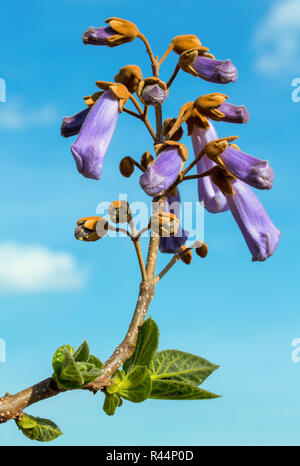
pixel 55 290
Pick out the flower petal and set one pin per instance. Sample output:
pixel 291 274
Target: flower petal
pixel 261 235
pixel 162 172
pixel 215 71
pixel 258 173
pixel 72 125
pixel 95 135
pixel 98 36
pixel 170 244
pixel 214 201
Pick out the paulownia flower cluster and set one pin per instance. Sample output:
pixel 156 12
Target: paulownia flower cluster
pixel 225 176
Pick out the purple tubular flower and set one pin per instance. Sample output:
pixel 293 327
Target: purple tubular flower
pixel 170 244
pixel 98 36
pixel 153 94
pixel 95 135
pixel 162 172
pixel 215 71
pixel 257 173
pixel 71 125
pixel 234 113
pixel 214 201
pixel 261 235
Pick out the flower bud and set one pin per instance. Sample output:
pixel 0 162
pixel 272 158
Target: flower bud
pixel 187 42
pixel 202 251
pixel 186 255
pixel 152 91
pixel 119 212
pixel 126 167
pixel 168 124
pixel 130 76
pixel 118 32
pixel 91 228
pixel 164 224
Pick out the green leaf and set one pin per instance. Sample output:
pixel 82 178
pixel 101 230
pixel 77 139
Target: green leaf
pixel 173 390
pixel 59 356
pixel 36 428
pixel 146 346
pixel 91 375
pixel 70 376
pixel 116 380
pixel 111 403
pixel 180 366
pixel 82 354
pixel 95 361
pixel 136 386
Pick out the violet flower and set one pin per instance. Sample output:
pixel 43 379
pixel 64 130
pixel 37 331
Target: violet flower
pixel 207 68
pixel 119 31
pixel 95 135
pixel 171 244
pixel 71 125
pixel 98 36
pixel 261 235
pixel 215 107
pixel 258 173
pixel 153 94
pixel 163 171
pixel 214 201
pixel 215 71
pixel 233 113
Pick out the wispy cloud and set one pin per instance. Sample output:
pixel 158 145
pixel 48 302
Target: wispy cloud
pixel 15 116
pixel 277 39
pixel 32 268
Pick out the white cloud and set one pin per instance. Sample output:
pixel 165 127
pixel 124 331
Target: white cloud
pixel 32 268
pixel 15 116
pixel 277 39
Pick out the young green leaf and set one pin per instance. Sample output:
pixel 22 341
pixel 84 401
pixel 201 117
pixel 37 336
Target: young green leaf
pixel 36 428
pixel 95 361
pixel 82 354
pixel 173 390
pixel 146 346
pixel 70 376
pixel 59 356
pixel 136 386
pixel 111 403
pixel 180 366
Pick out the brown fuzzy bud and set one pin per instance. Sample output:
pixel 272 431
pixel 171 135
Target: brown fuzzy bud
pixel 126 167
pixel 187 42
pixel 215 149
pixel 130 76
pixel 202 251
pixel 206 105
pixel 168 124
pixel 119 212
pixel 126 31
pixel 185 255
pixel 152 91
pixel 119 90
pixel 146 160
pixel 223 179
pixel 91 228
